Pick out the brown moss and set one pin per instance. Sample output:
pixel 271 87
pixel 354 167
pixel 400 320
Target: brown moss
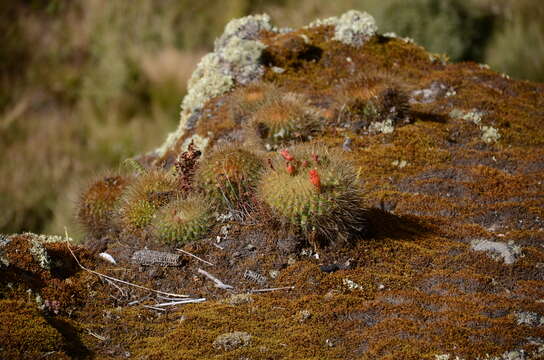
pixel 26 334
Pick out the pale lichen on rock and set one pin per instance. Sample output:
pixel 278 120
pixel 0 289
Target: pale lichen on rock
pixel 352 28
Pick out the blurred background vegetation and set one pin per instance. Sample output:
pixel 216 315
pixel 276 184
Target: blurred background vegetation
pixel 85 84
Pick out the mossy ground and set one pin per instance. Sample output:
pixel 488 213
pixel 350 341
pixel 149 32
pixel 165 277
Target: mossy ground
pixel 412 289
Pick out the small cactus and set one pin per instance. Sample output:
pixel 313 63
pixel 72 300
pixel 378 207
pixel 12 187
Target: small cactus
pixel 314 189
pixel 97 203
pixel 183 220
pixel 283 121
pixel 246 100
pixel 371 100
pixel 229 172
pixel 149 192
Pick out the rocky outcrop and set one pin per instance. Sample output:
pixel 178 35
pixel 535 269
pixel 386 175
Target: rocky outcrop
pixel 446 260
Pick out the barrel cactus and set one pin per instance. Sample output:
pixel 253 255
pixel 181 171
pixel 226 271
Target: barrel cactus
pixel 229 172
pixel 183 219
pixel 97 203
pixel 149 192
pixel 314 189
pixel 284 120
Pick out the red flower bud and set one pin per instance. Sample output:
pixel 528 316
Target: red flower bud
pixel 315 179
pixel 290 169
pixel 305 164
pixel 316 158
pixel 286 155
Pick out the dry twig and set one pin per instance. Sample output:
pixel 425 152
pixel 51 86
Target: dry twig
pixel 196 257
pixel 218 283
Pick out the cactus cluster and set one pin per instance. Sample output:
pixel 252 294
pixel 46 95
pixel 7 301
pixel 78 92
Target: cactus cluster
pixel 314 189
pixel 158 202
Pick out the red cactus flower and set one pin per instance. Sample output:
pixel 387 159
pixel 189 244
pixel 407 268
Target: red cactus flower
pixel 286 155
pixel 290 169
pixel 315 179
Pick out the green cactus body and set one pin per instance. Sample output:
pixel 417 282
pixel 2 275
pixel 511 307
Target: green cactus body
pixel 331 205
pixel 97 204
pixel 229 172
pixel 183 220
pixel 283 121
pixel 143 197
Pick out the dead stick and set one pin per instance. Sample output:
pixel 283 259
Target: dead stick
pixel 218 283
pixel 196 257
pixel 115 279
pixel 272 289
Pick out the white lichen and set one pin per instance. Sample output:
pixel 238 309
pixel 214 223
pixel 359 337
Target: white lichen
pixel 507 252
pixel 352 28
pixel 490 134
pixel 474 115
pixel 385 127
pixel 529 318
pixel 351 285
pixel 37 248
pixel 4 240
pixel 393 35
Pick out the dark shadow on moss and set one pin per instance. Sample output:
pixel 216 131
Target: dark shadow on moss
pixel 424 116
pixel 74 346
pixel 383 224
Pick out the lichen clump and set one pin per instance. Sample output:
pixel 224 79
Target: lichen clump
pixel 352 28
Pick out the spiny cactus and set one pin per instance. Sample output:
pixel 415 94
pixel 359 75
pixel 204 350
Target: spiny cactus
pixel 183 219
pixel 229 172
pixel 97 203
pixel 394 103
pixel 246 100
pixel 314 189
pixel 150 191
pixel 283 121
